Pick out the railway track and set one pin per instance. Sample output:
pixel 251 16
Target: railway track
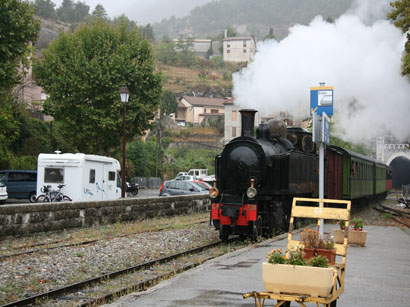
pixel 103 288
pixel 396 215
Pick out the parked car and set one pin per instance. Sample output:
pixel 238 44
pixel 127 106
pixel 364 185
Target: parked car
pixel 181 174
pixel 186 177
pixel 3 192
pixel 203 183
pixel 181 187
pixel 20 183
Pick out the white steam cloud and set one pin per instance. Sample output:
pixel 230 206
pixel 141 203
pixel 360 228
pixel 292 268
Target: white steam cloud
pixel 358 55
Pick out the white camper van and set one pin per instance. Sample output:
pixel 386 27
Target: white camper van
pixel 86 177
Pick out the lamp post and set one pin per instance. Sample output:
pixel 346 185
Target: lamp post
pixel 124 93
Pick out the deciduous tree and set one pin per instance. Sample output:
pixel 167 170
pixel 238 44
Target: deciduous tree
pixel 17 29
pixel 401 16
pixel 83 72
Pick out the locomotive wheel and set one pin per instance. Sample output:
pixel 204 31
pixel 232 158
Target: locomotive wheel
pixel 223 233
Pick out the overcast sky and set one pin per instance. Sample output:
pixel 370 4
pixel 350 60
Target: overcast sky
pixel 143 11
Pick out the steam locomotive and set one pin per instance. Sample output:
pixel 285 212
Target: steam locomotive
pixel 257 177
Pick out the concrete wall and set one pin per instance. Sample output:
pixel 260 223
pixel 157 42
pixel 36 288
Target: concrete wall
pixel 20 220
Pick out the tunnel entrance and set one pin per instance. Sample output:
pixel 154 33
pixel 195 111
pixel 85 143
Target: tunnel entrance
pixel 401 171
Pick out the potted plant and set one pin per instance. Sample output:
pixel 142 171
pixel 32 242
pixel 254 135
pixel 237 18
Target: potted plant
pixel 293 274
pixel 315 245
pixel 355 233
pixel 339 234
pixel 326 248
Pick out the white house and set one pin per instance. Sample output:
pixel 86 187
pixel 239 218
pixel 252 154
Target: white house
pixel 239 49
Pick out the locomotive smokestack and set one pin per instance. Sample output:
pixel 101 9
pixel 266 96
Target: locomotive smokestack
pixel 248 122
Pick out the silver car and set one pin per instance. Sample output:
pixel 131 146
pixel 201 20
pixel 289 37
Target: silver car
pixel 181 187
pixel 3 192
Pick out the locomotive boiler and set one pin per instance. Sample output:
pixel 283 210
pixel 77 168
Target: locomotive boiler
pixel 257 177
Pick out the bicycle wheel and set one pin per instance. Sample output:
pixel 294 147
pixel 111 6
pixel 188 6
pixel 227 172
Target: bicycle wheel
pixel 66 198
pixel 42 199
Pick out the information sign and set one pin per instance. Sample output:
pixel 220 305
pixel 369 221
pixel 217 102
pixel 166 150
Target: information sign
pixel 321 100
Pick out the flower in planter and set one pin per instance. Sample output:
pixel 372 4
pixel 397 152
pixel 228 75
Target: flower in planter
pixel 342 225
pixel 295 257
pixel 357 224
pixel 276 256
pixel 309 238
pixel 327 242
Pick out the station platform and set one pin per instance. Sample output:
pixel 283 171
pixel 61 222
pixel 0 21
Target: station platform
pixel 376 275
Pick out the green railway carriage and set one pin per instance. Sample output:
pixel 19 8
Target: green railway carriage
pixel 380 176
pixel 363 177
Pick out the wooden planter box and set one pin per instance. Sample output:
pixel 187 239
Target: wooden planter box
pixel 339 236
pixel 285 278
pixel 353 237
pixel 329 254
pixel 357 237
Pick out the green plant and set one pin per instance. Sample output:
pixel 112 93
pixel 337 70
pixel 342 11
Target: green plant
pixel 295 257
pixel 326 242
pixel 276 256
pixel 310 238
pixel 318 261
pixel 342 225
pixel 357 224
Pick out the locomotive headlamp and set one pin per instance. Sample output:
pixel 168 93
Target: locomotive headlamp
pixel 214 191
pixel 251 192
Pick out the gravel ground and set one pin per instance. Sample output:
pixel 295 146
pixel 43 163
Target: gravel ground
pixel 27 275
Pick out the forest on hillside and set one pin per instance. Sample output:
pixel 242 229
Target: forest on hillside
pixel 249 17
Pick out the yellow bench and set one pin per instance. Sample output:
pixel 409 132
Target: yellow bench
pixel 319 212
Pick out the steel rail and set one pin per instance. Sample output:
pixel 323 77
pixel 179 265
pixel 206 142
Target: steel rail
pixel 393 218
pixel 99 279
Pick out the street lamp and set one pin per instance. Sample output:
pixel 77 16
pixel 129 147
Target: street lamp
pixel 124 93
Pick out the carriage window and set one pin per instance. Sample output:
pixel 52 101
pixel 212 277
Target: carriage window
pixel 111 176
pixel 92 175
pixel 54 175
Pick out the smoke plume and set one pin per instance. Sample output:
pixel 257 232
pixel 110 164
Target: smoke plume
pixel 359 54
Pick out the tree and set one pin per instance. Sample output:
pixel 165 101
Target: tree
pixel 83 72
pixel 66 11
pixel 45 8
pixel 99 12
pixel 270 35
pixel 147 32
pixel 17 29
pixel 401 16
pixel 169 103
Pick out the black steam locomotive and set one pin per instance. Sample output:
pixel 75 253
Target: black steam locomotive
pixel 257 177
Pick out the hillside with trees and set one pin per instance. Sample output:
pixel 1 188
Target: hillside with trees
pixel 250 17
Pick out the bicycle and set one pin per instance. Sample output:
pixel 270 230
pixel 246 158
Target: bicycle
pixel 52 195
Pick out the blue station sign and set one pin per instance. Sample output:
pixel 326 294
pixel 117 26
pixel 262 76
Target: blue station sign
pixel 321 100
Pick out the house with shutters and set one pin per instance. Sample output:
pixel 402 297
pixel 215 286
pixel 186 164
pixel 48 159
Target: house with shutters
pixel 195 109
